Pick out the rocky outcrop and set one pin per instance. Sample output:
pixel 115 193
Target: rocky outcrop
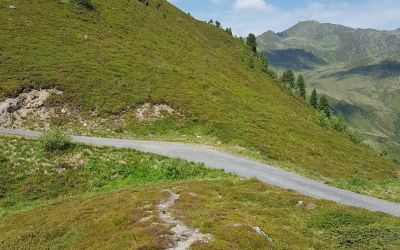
pixel 13 111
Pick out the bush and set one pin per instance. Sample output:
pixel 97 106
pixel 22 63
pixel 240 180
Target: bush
pixel 87 4
pixel 322 119
pixel 55 141
pixel 354 136
pixel 384 153
pixel 3 159
pixel 337 123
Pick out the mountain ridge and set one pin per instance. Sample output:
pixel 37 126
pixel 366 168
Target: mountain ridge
pixel 359 66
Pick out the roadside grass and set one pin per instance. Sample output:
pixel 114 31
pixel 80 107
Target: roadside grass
pixel 122 54
pixel 30 175
pixel 226 208
pixel 171 128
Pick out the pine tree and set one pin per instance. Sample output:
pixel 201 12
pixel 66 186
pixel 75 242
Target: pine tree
pixel 324 106
pixel 218 24
pixel 289 79
pixel 301 86
pixel 314 99
pixel 229 31
pixel 252 42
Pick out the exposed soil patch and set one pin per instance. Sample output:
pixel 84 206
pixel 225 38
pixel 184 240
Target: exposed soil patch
pixel 13 111
pixel 151 112
pixel 183 236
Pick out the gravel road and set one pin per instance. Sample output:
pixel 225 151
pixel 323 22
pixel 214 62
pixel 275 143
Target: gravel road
pixel 240 166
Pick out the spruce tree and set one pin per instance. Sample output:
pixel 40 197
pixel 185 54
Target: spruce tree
pixel 229 31
pixel 301 86
pixel 252 42
pixel 314 99
pixel 289 79
pixel 324 106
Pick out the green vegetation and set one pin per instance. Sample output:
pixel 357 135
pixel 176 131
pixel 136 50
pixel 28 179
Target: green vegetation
pixel 252 42
pixel 55 140
pixel 289 79
pixel 324 106
pixel 226 208
pixel 322 119
pixel 355 68
pixel 43 175
pixel 85 3
pixel 111 60
pixel 314 99
pixel 301 86
pixel 88 197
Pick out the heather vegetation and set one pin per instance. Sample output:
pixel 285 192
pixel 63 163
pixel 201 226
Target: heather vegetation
pixel 146 70
pixel 88 197
pixel 230 96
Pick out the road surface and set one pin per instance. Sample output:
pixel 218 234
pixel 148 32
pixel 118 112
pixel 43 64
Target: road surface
pixel 240 166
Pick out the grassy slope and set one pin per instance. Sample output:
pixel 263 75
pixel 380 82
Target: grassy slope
pixel 111 190
pixel 132 51
pixel 28 174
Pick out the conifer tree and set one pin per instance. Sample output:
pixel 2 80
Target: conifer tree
pixel 218 24
pixel 229 31
pixel 288 78
pixel 314 99
pixel 252 42
pixel 324 106
pixel 301 86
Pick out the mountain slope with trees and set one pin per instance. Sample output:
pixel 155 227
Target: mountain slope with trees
pixel 358 69
pixel 111 58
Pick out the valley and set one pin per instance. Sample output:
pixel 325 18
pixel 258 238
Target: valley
pixel 357 69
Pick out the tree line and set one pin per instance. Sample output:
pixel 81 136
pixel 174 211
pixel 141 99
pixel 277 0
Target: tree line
pixel 325 117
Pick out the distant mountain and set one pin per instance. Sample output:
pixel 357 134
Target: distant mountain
pixel 359 69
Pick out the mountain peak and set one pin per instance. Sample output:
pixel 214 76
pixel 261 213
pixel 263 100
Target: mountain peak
pixel 309 22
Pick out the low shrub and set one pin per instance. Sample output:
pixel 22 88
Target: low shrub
pixel 322 119
pixel 354 136
pixel 338 123
pixel 55 141
pixel 272 73
pixel 3 159
pixel 87 4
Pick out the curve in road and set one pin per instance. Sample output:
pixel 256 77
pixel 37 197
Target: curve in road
pixel 240 166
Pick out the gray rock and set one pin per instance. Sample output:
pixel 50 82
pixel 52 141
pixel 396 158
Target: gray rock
pixel 262 233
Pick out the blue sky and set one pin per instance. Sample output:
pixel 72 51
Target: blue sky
pixel 258 16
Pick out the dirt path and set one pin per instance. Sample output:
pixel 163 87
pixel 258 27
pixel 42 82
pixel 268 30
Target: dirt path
pixel 183 236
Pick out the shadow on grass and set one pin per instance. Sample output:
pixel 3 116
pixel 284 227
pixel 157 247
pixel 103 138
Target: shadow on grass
pixel 379 71
pixel 297 59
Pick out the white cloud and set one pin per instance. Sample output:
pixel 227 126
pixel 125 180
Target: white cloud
pixel 252 5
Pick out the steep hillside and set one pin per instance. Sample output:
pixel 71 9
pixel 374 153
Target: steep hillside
pixel 114 57
pixel 358 69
